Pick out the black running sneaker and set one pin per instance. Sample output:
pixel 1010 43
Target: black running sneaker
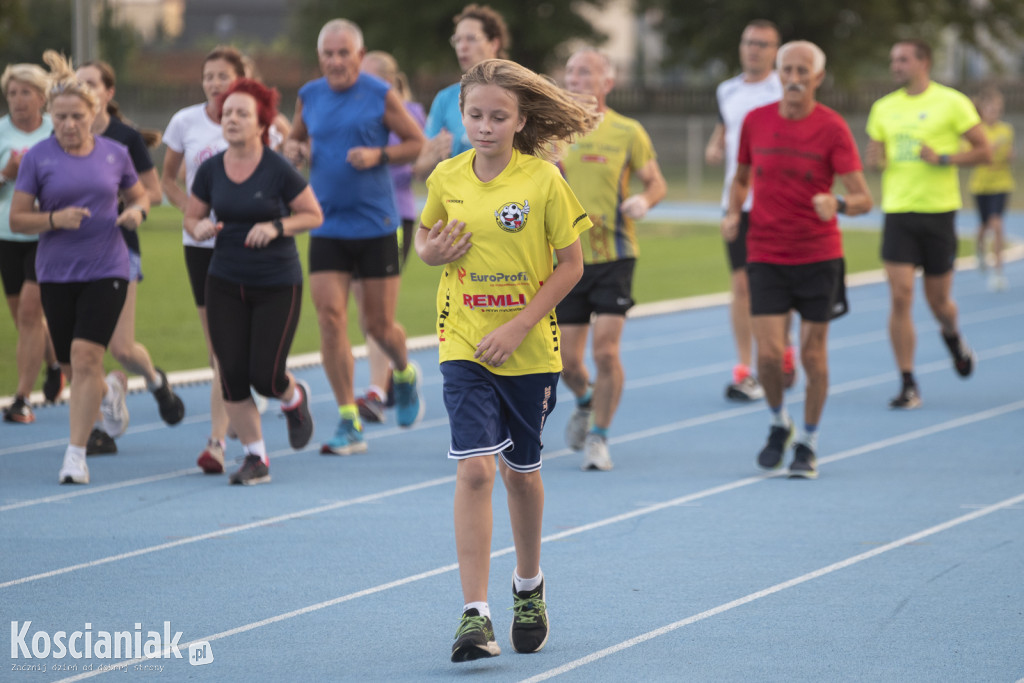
pixel 53 384
pixel 963 358
pixel 252 471
pixel 474 638
pixel 100 443
pixel 529 619
pixel 19 411
pixel 804 465
pixel 770 456
pixel 908 398
pixel 172 409
pixel 300 421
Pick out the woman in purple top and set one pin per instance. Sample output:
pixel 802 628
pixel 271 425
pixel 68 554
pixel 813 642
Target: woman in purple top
pixel 67 193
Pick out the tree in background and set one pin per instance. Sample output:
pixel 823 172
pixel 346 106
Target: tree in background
pixel 417 33
pixel 30 27
pixel 856 36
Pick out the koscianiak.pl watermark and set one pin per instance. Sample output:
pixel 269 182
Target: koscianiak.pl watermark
pixel 87 649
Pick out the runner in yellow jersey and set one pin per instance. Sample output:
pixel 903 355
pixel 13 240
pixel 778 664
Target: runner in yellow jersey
pixel 991 185
pixel 599 167
pixel 495 214
pixel 916 136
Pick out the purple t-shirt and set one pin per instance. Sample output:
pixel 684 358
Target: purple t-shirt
pixel 59 180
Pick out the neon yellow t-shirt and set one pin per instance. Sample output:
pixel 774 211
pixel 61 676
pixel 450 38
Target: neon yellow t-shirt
pixel 995 178
pixel 517 219
pixel 598 168
pixel 938 117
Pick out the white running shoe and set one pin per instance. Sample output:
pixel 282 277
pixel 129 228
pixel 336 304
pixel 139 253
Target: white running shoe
pixel 114 409
pixel 74 470
pixel 595 454
pixel 997 282
pixel 576 430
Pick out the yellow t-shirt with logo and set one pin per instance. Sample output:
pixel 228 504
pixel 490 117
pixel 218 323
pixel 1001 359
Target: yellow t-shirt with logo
pixel 598 167
pixel 517 220
pixel 995 178
pixel 938 117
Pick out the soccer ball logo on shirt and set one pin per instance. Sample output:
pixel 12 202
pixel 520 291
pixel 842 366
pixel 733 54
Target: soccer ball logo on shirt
pixel 512 217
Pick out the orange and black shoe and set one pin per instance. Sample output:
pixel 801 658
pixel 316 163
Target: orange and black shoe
pixel 19 411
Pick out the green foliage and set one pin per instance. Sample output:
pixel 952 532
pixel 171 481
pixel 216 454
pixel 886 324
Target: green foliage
pixel 418 38
pixel 118 42
pixel 30 27
pixel 856 36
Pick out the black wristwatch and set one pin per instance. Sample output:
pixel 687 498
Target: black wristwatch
pixel 944 160
pixel 279 226
pixel 840 204
pixel 384 158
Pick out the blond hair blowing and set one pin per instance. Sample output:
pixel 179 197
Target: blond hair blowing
pixel 63 81
pixel 553 115
pixel 30 74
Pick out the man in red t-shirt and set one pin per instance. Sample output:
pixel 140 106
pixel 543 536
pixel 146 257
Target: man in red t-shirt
pixel 791 151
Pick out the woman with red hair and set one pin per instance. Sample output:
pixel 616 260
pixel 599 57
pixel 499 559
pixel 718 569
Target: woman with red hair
pixel 254 284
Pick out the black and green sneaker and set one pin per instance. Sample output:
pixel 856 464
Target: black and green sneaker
pixel 474 638
pixel 529 619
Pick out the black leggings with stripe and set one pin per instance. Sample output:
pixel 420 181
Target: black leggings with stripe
pixel 251 329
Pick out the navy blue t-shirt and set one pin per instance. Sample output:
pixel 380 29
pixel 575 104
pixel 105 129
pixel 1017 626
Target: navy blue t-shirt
pixel 263 196
pixel 129 137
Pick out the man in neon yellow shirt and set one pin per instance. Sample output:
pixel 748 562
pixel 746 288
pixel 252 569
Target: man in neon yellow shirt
pixel 916 138
pixel 598 168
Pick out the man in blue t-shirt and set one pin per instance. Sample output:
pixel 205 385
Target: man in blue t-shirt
pixel 341 128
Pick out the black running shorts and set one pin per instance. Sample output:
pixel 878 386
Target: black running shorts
pixel 17 264
pixel 922 239
pixel 604 289
pixel 82 310
pixel 817 291
pixel 371 257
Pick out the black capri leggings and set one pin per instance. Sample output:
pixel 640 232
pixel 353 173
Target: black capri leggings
pixel 251 329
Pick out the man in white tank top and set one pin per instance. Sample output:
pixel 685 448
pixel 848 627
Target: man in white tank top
pixel 756 86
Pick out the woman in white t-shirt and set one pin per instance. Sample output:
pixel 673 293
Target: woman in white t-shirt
pixel 192 137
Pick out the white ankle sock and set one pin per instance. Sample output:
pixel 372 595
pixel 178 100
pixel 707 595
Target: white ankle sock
pixel 257 448
pixel 526 584
pixel 481 607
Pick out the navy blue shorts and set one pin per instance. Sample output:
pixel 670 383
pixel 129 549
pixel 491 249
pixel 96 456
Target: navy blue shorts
pixel 491 413
pixel 991 205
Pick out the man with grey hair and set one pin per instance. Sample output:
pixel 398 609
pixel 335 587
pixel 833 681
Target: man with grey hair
pixel 789 154
pixel 341 127
pixel 598 168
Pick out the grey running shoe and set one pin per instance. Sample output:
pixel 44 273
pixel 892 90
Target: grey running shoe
pixel 252 471
pixel 595 454
pixel 576 430
pixel 114 409
pixel 747 390
pixel 300 421
pixel 804 465
pixel 908 398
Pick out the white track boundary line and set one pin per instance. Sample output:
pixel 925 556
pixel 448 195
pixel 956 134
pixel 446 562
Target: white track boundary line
pixel 428 341
pixel 791 400
pixel 777 588
pixel 682 500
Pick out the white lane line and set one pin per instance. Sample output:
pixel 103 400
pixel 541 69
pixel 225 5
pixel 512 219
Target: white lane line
pixel 275 455
pixel 777 588
pixel 369 498
pixel 682 500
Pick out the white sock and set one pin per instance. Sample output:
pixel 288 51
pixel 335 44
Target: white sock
pixel 781 418
pixel 295 400
pixel 75 450
pixel 481 607
pixel 381 393
pixel 155 385
pixel 809 439
pixel 257 448
pixel 526 584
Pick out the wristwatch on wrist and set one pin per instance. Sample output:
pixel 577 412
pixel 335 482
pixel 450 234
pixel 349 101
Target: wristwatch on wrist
pixel 944 160
pixel 279 226
pixel 840 204
pixel 384 158
pixel 140 210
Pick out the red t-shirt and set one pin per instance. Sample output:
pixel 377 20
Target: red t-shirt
pixel 790 162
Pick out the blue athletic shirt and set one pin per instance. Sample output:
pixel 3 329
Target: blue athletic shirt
pixel 445 113
pixel 356 204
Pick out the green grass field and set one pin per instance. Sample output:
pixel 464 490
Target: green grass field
pixel 677 260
